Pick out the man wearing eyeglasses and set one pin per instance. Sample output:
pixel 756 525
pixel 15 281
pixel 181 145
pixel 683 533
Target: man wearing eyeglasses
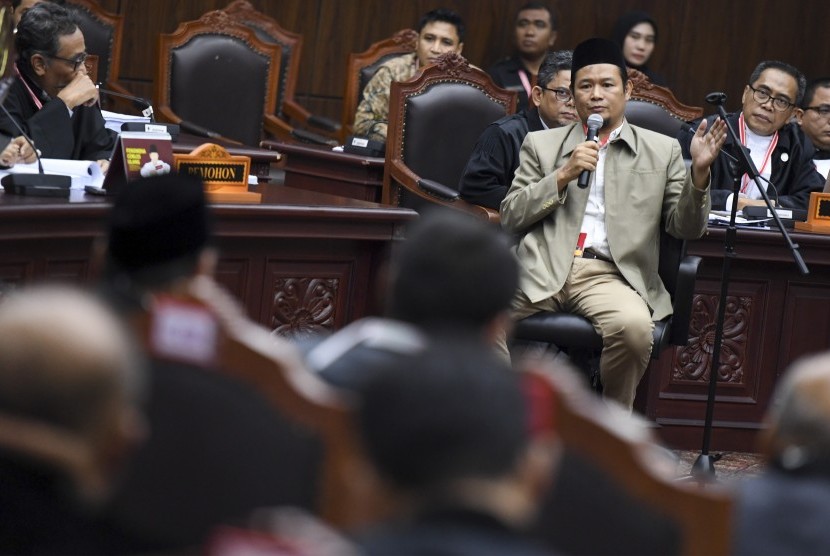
pixel 780 150
pixel 495 157
pixel 52 98
pixel 814 119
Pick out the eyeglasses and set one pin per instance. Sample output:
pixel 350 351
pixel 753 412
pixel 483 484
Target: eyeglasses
pixel 823 111
pixel 561 94
pixel 76 62
pixel 761 97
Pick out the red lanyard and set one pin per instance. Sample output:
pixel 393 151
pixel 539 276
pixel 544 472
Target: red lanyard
pixel 32 94
pixel 767 156
pixel 525 81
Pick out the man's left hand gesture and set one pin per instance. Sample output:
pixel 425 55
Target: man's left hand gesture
pixel 705 148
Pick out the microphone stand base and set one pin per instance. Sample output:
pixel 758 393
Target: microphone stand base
pixel 37 185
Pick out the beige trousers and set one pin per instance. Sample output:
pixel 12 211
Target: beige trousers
pixel 596 290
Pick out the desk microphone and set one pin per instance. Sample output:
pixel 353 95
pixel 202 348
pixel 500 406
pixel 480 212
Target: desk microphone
pixel 146 111
pixel 595 122
pixel 40 184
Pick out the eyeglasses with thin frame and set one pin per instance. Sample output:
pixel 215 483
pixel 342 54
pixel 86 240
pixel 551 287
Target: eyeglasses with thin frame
pixel 762 97
pixel 76 62
pixel 823 111
pixel 561 94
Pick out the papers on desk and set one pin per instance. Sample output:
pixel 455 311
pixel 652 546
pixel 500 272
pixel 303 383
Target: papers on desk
pixel 114 120
pixel 82 172
pixel 722 217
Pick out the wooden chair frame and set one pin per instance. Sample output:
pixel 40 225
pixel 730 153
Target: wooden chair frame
pixel 646 91
pixel 218 23
pixel 451 68
pixel 116 22
pixel 625 451
pixel 249 353
pixel 404 41
pixel 287 108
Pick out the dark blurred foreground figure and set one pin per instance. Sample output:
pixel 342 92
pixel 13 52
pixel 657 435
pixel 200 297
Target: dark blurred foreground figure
pixel 786 509
pixel 447 434
pixel 69 389
pixel 217 449
pixel 453 274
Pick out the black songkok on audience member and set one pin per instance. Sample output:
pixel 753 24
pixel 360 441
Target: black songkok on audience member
pixel 157 220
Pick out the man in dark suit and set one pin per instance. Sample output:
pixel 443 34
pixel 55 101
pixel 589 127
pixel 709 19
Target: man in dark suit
pixel 447 430
pixel 536 31
pixel 217 449
pixel 780 150
pixel 52 98
pixel 495 157
pixel 785 509
pixel 814 119
pixel 70 390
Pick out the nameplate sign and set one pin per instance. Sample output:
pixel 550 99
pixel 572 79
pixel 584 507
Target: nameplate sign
pixel 818 215
pixel 225 175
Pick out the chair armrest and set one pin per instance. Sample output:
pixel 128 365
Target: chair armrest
pixel 683 298
pixel 301 115
pixel 438 189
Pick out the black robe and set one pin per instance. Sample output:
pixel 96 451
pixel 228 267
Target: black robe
pixel 55 134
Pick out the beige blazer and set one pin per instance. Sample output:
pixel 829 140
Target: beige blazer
pixel 646 186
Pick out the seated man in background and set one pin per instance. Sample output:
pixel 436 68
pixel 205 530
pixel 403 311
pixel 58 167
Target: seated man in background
pixel 594 250
pixel 535 29
pixel 785 509
pixel 453 273
pixel 217 449
pixel 439 31
pixel 70 383
pixel 814 119
pixel 779 149
pixel 495 157
pixel 52 98
pixel 447 434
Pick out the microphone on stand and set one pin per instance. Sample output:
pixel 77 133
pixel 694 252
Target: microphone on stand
pixel 147 111
pixel 40 184
pixel 595 122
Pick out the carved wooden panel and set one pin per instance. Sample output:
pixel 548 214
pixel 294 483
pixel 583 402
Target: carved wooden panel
pixel 306 298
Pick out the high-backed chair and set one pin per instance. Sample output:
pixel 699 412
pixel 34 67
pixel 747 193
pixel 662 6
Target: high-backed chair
pixel 655 107
pixel 615 491
pixel 289 112
pixel 215 76
pixel 205 330
pixel 102 34
pixel 361 66
pixel 576 335
pixel 434 121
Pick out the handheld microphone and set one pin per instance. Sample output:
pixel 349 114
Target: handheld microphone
pixel 595 122
pixel 40 184
pixel 146 111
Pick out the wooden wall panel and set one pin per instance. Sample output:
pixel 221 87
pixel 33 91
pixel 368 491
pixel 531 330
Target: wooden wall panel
pixel 704 45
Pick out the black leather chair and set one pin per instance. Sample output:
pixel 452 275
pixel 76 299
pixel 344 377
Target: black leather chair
pixel 434 121
pixel 655 107
pixel 216 77
pixel 292 117
pixel 576 335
